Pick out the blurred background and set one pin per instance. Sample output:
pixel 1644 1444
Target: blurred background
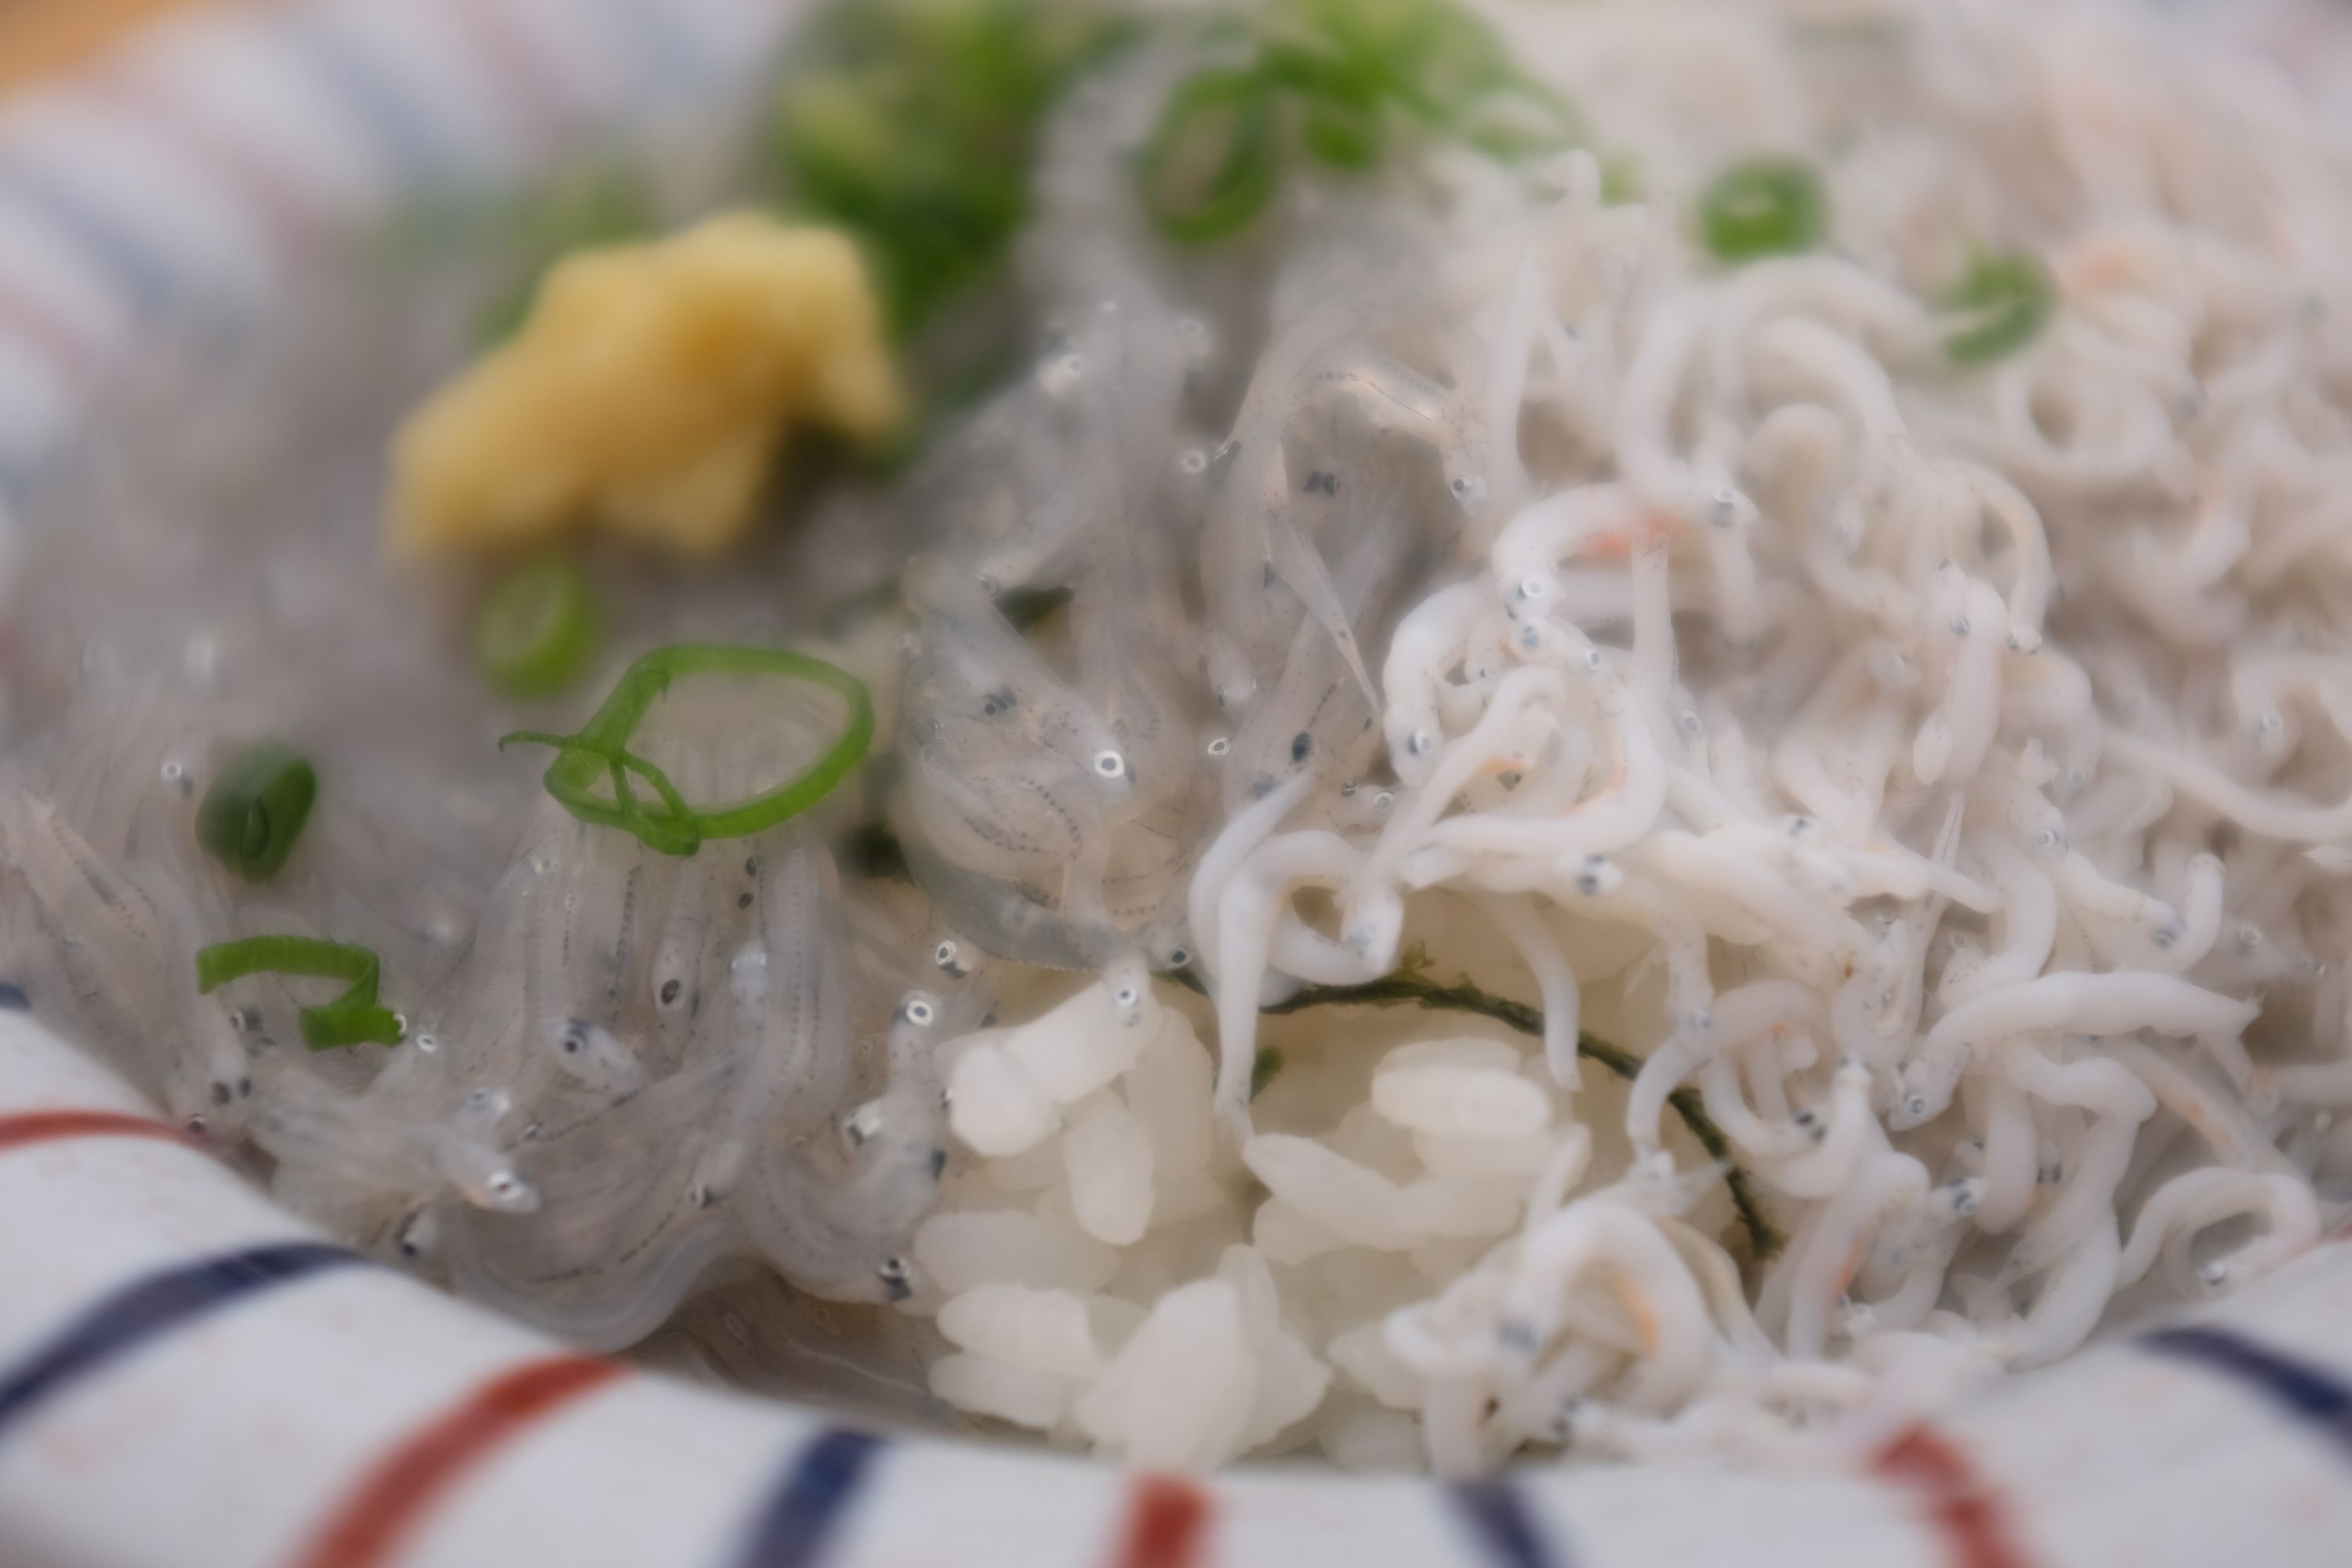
pixel 42 36
pixel 2308 36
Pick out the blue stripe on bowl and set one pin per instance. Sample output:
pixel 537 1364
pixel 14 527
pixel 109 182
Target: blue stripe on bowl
pixel 1506 1532
pixel 2310 1392
pixel 137 272
pixel 402 135
pixel 652 42
pixel 153 1309
pixel 799 1521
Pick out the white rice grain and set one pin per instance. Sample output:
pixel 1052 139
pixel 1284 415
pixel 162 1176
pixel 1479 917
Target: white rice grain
pixel 1110 1162
pixel 1328 1187
pixel 961 1252
pixel 1179 1395
pixel 993 1105
pixel 1041 1331
pixel 1021 1395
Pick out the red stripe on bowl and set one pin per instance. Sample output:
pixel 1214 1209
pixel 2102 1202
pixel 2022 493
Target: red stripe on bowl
pixel 38 328
pixel 375 1520
pixel 1167 1524
pixel 248 176
pixel 54 1126
pixel 528 95
pixel 1966 1512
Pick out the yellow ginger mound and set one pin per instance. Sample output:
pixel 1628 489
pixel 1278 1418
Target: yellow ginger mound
pixel 647 393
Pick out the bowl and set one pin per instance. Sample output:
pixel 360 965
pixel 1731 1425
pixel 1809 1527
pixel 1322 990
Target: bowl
pixel 189 1377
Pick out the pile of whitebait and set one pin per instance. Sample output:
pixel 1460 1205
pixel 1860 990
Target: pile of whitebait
pixel 1481 625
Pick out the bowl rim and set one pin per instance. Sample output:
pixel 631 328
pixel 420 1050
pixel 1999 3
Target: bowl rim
pixel 140 1279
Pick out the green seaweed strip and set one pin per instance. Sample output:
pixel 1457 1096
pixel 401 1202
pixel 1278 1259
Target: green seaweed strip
pixel 1406 989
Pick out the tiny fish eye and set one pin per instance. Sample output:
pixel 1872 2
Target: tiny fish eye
pixel 918 1011
pixel 1110 764
pixel 1180 955
pixel 1220 746
pixel 1125 996
pixel 669 991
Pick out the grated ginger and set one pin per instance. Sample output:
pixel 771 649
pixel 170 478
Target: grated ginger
pixel 646 392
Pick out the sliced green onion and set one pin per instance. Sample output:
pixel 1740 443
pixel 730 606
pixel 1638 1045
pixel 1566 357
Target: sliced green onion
pixel 534 633
pixel 911 123
pixel 1621 179
pixel 1342 119
pixel 1340 72
pixel 599 754
pixel 1210 164
pixel 1765 206
pixel 256 808
pixel 1432 57
pixel 1342 134
pixel 1521 119
pixel 2004 301
pixel 350 1019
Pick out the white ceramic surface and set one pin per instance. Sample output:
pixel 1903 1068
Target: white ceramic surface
pixel 189 1379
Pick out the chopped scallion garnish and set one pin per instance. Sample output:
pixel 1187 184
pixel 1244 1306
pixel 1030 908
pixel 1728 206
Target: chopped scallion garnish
pixel 347 1020
pixel 1765 206
pixel 1210 164
pixel 534 633
pixel 1521 120
pixel 599 754
pixel 1621 179
pixel 2001 304
pixel 911 122
pixel 1338 72
pixel 256 808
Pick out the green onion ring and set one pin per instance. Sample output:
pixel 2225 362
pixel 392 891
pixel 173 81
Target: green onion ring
pixel 1765 206
pixel 2003 302
pixel 600 752
pixel 1243 180
pixel 256 809
pixel 347 1020
pixel 536 629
